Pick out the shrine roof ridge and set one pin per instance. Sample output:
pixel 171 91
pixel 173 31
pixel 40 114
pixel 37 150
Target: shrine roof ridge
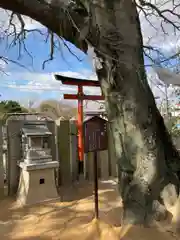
pixel 35 130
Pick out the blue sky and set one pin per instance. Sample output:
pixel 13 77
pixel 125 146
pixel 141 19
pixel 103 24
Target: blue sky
pixel 64 61
pixel 35 83
pixel 39 50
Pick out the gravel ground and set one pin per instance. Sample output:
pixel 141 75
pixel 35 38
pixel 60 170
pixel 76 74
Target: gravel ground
pixel 73 218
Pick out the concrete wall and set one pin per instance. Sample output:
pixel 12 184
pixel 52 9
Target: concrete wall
pixel 103 158
pixel 63 141
pixel 73 150
pixel 103 165
pixel 89 158
pixel 67 151
pixel 53 145
pixel 14 155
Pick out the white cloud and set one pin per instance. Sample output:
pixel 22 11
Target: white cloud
pixel 38 83
pixel 42 82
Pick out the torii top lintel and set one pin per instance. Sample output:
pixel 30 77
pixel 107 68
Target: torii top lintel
pixel 77 81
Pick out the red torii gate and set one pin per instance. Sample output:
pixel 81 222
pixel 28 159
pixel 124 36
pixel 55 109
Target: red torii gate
pixel 80 96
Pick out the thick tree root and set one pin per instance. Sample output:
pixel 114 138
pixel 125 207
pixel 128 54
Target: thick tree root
pixel 140 208
pixel 135 204
pixel 159 211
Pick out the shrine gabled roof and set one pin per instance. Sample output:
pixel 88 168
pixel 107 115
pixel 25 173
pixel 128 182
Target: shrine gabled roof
pixel 35 130
pixel 88 118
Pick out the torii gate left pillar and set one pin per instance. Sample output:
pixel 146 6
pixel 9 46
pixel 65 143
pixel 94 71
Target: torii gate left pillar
pixel 80 96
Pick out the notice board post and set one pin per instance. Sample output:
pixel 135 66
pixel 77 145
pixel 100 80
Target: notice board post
pixel 95 139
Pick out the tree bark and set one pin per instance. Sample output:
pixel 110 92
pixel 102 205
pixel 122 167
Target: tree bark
pixel 147 159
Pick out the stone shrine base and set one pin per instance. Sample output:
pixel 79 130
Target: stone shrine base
pixel 37 183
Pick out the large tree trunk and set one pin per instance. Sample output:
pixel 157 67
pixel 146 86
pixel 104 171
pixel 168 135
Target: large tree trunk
pixel 147 159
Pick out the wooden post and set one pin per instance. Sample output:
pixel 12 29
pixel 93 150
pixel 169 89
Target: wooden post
pixel 96 186
pixel 80 124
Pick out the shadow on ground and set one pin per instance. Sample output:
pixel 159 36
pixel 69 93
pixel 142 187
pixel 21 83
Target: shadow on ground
pixel 73 218
pixel 35 238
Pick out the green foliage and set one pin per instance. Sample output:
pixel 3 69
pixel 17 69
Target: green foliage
pixel 10 107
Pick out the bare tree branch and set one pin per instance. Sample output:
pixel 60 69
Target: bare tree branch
pixel 164 15
pixel 69 18
pixel 161 13
pixel 18 34
pixel 48 15
pixel 53 16
pixel 7 60
pixel 51 55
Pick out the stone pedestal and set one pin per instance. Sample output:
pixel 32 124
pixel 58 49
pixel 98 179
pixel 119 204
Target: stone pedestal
pixel 37 183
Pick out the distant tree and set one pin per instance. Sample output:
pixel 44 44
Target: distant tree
pixel 55 109
pixel 10 107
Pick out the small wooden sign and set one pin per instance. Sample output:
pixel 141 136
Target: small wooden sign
pixel 95 134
